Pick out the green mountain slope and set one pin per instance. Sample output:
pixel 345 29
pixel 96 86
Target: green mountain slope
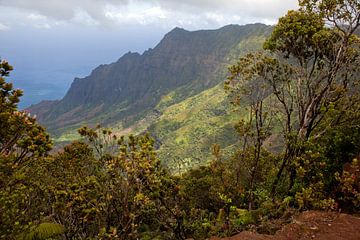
pixel 129 89
pixel 187 130
pixel 184 106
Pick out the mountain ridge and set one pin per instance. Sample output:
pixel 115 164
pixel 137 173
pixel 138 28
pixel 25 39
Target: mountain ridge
pixel 131 87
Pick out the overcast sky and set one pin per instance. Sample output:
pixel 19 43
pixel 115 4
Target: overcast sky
pixel 50 42
pixel 164 13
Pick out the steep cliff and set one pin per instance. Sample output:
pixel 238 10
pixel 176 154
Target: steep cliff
pixel 126 90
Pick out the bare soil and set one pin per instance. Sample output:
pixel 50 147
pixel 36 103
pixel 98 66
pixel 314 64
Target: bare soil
pixel 311 225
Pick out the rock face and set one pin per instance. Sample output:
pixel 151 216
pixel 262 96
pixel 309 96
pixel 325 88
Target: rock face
pixel 132 86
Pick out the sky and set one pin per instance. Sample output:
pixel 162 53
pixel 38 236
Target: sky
pixel 50 42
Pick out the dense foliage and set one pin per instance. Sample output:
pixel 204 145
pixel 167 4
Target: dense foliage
pixel 305 84
pixel 298 149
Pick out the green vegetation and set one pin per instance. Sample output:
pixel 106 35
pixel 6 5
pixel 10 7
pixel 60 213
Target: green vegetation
pixel 124 93
pixel 301 91
pixel 177 114
pixel 187 130
pixel 310 93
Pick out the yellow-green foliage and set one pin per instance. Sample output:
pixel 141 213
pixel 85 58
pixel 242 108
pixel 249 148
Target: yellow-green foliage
pixel 44 231
pixel 68 137
pixel 187 130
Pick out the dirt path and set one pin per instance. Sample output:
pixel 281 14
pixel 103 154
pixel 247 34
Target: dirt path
pixel 311 225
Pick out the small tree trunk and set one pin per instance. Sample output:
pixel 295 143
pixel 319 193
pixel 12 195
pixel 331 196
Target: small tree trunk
pixel 278 176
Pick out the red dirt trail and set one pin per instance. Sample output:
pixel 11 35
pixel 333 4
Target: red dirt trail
pixel 311 225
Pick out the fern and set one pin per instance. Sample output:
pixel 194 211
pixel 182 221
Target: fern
pixel 44 231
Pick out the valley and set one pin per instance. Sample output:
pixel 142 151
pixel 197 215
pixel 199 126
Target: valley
pixel 170 91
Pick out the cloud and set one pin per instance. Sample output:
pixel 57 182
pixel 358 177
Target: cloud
pixel 3 27
pixel 144 16
pixel 62 9
pixel 164 12
pixel 264 8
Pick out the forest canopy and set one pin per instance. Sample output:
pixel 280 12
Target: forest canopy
pixel 298 149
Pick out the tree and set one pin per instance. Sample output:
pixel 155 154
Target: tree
pixel 20 136
pixel 311 68
pixel 254 129
pixel 108 188
pixel 22 142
